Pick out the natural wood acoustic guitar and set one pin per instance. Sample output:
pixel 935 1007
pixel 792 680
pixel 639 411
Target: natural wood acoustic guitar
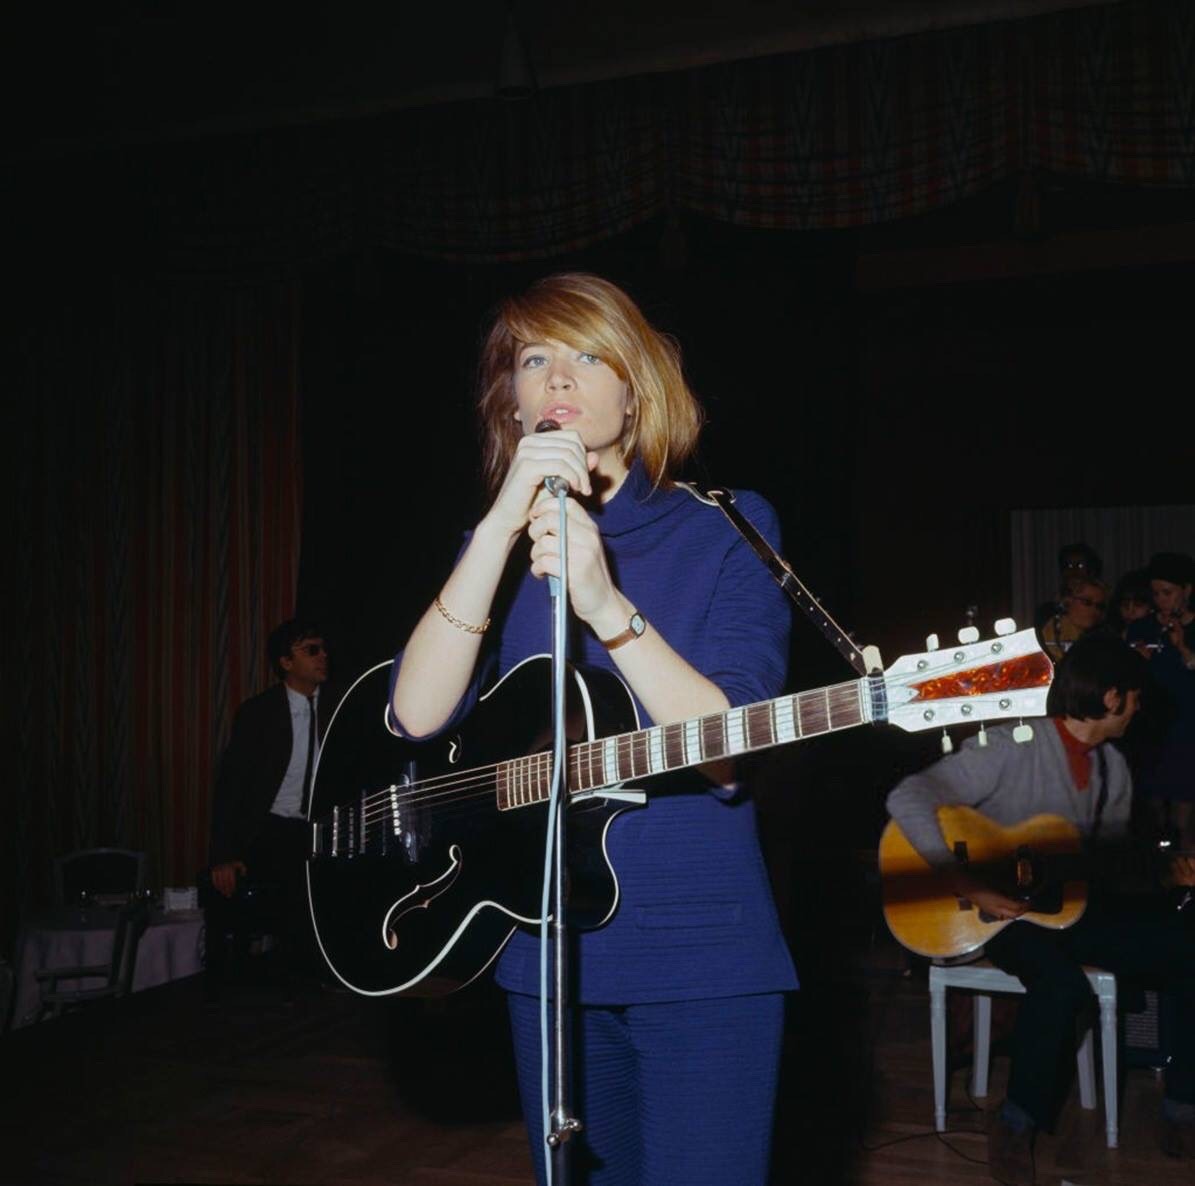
pixel 1036 861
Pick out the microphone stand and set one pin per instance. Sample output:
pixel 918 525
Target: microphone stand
pixel 562 1123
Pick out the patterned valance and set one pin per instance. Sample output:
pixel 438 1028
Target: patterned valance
pixel 844 136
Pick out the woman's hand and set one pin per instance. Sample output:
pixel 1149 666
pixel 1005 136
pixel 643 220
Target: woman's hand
pixel 539 456
pixel 591 589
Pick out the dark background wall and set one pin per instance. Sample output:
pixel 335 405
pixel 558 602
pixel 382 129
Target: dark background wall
pixel 894 428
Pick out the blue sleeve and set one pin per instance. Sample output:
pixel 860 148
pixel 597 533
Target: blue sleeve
pixel 750 615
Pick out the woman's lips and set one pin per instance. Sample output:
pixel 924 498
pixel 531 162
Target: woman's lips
pixel 560 413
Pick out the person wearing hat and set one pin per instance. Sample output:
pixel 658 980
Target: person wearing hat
pixel 1167 640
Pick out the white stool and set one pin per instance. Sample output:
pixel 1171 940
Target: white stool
pixel 983 979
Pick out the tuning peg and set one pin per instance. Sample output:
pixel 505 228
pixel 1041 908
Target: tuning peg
pixel 969 634
pixel 1006 626
pixel 931 642
pixel 947 744
pixel 982 738
pixel 1022 733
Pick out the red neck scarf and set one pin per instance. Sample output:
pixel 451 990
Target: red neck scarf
pixel 1078 755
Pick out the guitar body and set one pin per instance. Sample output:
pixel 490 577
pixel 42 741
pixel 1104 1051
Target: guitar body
pixel 428 902
pixel 928 919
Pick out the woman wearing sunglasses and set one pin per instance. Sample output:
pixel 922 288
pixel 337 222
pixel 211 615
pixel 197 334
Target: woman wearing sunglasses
pixel 1082 608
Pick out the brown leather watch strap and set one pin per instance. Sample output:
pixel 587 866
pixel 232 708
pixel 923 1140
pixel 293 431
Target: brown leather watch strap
pixel 635 628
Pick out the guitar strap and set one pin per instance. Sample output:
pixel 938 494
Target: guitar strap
pixel 1102 800
pixel 782 573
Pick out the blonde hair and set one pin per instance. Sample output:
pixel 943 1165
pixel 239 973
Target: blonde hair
pixel 589 313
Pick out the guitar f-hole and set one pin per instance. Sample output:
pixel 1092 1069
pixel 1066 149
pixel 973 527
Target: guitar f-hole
pixel 420 898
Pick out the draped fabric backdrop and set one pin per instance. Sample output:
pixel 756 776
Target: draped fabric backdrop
pixel 846 136
pixel 158 498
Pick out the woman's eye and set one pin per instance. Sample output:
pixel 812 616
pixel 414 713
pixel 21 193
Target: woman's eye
pixel 592 359
pixel 532 360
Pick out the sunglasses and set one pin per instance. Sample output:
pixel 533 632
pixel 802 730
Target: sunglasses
pixel 1087 601
pixel 312 648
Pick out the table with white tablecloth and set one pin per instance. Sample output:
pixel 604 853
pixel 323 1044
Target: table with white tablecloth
pixel 170 948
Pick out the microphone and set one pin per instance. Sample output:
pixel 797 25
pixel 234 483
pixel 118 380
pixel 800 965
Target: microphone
pixel 554 485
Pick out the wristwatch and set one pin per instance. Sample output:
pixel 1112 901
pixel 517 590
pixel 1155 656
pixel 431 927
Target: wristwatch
pixel 635 628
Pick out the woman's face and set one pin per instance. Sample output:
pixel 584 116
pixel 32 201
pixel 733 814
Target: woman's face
pixel 1170 599
pixel 554 381
pixel 1085 606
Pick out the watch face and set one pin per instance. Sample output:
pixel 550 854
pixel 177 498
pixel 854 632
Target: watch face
pixel 637 624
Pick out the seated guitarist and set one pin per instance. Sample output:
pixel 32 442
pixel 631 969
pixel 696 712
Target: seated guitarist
pixel 1067 769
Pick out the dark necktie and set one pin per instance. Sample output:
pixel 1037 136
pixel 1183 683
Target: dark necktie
pixel 305 805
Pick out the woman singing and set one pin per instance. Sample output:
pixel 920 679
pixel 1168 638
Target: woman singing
pixel 679 996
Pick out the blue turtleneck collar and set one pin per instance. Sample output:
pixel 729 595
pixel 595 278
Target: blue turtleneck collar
pixel 636 503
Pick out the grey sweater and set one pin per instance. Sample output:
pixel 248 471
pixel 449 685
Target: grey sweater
pixel 1009 782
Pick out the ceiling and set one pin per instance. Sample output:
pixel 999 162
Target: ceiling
pixel 128 73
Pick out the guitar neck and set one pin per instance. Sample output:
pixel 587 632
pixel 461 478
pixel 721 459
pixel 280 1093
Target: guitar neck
pixel 610 761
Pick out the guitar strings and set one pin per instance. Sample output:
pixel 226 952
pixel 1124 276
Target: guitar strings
pixel 813 715
pixel 442 790
pixel 530 766
pixel 819 715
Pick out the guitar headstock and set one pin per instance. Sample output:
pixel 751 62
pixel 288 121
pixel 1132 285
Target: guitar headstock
pixel 993 679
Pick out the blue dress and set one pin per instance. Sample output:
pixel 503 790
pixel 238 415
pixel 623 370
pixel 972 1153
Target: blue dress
pixel 696 921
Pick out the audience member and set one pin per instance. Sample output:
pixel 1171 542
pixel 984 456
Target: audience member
pixel 1132 599
pixel 259 833
pixel 1076 562
pixel 1080 610
pixel 1167 639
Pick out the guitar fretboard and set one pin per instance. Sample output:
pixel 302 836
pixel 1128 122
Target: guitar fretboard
pixel 609 761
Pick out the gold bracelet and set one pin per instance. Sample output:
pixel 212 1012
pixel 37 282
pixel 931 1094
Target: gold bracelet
pixel 467 627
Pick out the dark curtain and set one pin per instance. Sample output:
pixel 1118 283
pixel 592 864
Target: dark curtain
pixel 157 486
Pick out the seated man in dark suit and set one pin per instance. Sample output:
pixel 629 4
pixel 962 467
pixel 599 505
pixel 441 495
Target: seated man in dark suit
pixel 259 835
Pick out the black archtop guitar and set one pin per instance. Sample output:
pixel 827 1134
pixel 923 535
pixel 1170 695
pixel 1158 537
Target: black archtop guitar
pixel 425 858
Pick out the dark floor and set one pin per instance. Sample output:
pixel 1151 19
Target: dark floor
pixel 332 1088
